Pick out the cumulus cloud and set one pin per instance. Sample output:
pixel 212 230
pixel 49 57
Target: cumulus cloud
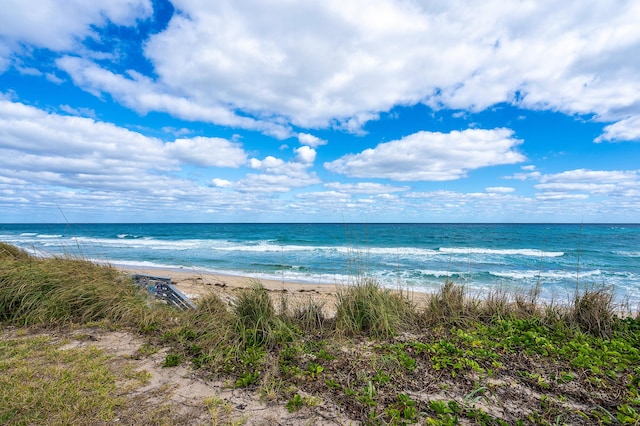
pixel 349 63
pixel 481 205
pixel 624 130
pixel 142 94
pixel 536 55
pixel 278 175
pixel 29 130
pixel 87 168
pixel 305 155
pixel 270 163
pixel 60 24
pixel 239 65
pixel 432 156
pixel 221 183
pixel 310 140
pixel 591 176
pixel 79 153
pixel 206 152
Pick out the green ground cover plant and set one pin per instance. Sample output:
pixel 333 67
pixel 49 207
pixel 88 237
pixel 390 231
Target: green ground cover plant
pixel 384 358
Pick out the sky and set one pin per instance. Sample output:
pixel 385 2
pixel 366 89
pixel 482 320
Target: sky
pixel 319 111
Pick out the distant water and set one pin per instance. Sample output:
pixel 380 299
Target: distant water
pixel 418 256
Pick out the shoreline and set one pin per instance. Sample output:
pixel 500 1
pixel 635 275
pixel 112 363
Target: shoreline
pixel 196 284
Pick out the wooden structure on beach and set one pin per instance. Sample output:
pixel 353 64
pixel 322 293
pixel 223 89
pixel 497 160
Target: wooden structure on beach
pixel 162 289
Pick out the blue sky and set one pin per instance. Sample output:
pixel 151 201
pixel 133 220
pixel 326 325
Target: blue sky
pixel 319 111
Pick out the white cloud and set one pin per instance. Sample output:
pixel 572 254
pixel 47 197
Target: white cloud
pixel 365 187
pixel 53 78
pixel 432 156
pixel 305 155
pixel 143 95
pixel 221 183
pixel 592 176
pixel 560 196
pixel 351 60
pixel 499 189
pixel 270 163
pixel 32 131
pixel 624 130
pixel 310 140
pixel 326 196
pixel 531 173
pixel 267 182
pixel 206 152
pixel 279 175
pixel 60 24
pixel 583 183
pixel 573 57
pixel 78 154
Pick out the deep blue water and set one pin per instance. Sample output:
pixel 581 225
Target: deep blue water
pixel 419 256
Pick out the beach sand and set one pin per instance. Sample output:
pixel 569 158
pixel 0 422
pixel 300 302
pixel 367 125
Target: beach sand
pixel 195 284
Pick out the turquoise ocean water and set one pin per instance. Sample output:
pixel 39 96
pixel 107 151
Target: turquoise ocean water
pixel 418 256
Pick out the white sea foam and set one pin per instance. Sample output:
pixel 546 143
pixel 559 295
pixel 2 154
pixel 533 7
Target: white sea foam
pixel 142 264
pixel 628 253
pixel 503 252
pixel 556 275
pixel 148 243
pixel 439 274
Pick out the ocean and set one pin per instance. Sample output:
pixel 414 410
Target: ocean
pixel 557 257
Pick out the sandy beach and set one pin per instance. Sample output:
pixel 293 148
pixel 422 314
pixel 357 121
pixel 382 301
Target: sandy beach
pixel 195 284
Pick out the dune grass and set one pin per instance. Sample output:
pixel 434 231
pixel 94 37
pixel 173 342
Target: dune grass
pixel 366 308
pixel 55 291
pixel 386 357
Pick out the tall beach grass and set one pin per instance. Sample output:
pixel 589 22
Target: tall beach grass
pixel 65 290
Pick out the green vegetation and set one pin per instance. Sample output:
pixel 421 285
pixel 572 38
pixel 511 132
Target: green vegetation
pixel 48 382
pixel 366 308
pixel 57 291
pixel 43 382
pixel 384 358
